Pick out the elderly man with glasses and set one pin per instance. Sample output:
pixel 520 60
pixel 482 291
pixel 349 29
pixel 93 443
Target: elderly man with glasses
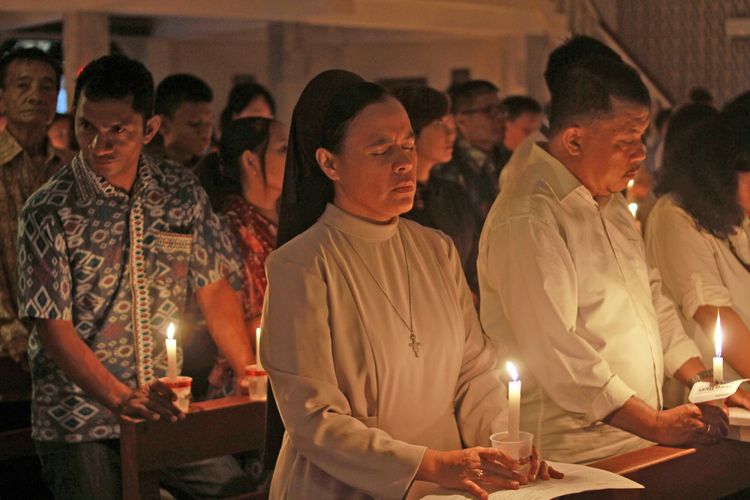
pixel 477 156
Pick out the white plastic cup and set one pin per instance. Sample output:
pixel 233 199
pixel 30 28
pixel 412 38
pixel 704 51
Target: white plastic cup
pixel 256 380
pixel 180 385
pixel 520 449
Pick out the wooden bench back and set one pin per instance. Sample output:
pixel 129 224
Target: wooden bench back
pixel 210 429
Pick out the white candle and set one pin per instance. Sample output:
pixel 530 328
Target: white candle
pixel 171 353
pixel 257 348
pixel 718 361
pixel 633 207
pixel 514 403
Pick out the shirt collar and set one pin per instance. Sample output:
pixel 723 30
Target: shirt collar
pixel 359 228
pixel 9 149
pixel 91 185
pixel 561 180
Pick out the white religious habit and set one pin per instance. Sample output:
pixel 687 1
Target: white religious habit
pixel 374 352
pixel 565 286
pixel 698 269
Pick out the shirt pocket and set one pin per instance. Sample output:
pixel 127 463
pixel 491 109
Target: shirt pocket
pixel 172 255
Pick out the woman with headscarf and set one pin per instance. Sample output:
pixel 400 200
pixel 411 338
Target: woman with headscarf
pixel 698 234
pixel 379 366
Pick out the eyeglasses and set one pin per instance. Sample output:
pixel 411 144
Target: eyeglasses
pixel 491 110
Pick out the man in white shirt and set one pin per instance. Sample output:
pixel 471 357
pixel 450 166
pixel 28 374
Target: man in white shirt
pixel 565 287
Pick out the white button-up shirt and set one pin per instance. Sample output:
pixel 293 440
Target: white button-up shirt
pixel 699 269
pixel 565 288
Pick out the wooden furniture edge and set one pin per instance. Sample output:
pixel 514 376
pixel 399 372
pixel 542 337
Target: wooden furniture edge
pixel 633 461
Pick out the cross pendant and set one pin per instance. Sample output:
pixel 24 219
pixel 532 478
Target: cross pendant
pixel 415 345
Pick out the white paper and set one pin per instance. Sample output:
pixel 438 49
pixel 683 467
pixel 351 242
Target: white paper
pixel 739 416
pixel 703 392
pixel 577 478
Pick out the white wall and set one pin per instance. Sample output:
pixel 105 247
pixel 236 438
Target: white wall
pixel 372 54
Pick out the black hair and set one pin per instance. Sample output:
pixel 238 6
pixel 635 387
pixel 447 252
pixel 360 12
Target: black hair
pixel 117 77
pixel 685 119
pixel 662 117
pixel 516 105
pixel 240 96
pixel 572 51
pixel 700 95
pixel 423 105
pixel 242 135
pixel 463 94
pixel 178 88
pixel 742 101
pixel 343 108
pixel 700 171
pixel 29 54
pixel 586 89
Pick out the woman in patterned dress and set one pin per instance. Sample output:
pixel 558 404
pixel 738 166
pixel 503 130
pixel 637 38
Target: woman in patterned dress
pixel 253 153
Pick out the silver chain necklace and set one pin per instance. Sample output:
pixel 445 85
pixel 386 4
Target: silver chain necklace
pixel 413 344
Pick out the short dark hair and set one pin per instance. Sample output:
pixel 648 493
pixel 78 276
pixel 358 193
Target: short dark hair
pixel 516 105
pixel 178 88
pixel 117 77
pixel 423 105
pixel 572 51
pixel 586 89
pixel 29 54
pixel 700 171
pixel 344 107
pixel 463 94
pixel 240 96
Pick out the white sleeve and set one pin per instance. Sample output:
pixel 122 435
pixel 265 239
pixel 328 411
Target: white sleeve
pixel 530 264
pixel 296 351
pixel 685 260
pixel 481 397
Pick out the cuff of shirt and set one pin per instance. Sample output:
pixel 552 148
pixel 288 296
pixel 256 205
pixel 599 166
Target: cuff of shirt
pixel 679 354
pixel 612 397
pixel 712 296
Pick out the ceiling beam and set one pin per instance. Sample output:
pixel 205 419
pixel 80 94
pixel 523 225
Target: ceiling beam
pixel 463 17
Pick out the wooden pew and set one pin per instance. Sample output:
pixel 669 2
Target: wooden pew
pixel 706 472
pixel 210 429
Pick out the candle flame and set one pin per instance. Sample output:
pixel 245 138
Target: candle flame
pixel 718 335
pixel 512 370
pixel 633 207
pixel 170 331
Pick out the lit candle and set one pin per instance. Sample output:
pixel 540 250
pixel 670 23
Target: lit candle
pixel 514 403
pixel 171 353
pixel 257 349
pixel 718 361
pixel 633 207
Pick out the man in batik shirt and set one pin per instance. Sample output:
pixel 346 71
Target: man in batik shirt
pixel 110 251
pixel 29 83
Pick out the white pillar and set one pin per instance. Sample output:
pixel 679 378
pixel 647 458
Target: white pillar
pixel 85 37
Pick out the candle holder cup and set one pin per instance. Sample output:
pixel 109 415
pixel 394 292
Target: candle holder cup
pixel 181 387
pixel 519 449
pixel 256 381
